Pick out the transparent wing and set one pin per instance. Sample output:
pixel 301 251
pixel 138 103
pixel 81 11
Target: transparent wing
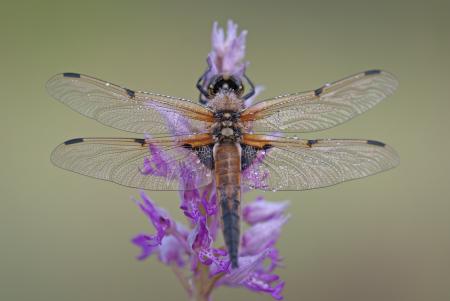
pixel 128 110
pixel 288 164
pixel 141 163
pixel 322 108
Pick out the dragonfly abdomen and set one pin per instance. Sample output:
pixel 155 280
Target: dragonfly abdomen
pixel 227 158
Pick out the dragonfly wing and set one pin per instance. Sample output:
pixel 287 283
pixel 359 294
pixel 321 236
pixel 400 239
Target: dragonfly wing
pixel 128 110
pixel 141 163
pixel 289 164
pixel 319 109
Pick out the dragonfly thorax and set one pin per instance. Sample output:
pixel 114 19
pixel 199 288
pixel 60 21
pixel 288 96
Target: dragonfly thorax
pixel 227 127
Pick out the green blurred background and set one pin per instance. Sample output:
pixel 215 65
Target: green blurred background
pixel 66 237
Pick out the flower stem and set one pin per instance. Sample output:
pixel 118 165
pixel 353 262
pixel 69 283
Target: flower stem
pixel 184 282
pixel 212 282
pixel 201 283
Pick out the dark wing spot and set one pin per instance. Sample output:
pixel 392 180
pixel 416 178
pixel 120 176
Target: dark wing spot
pixel 73 141
pixel 141 141
pixel 372 72
pixel 377 143
pixel 311 142
pixel 267 146
pixel 319 91
pixel 248 155
pixel 130 93
pixel 204 154
pixel 70 74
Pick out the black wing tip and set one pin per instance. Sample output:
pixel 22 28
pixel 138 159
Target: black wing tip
pixel 372 72
pixel 130 93
pixel 377 143
pixel 312 142
pixel 71 74
pixel 141 141
pixel 319 91
pixel 73 141
pixel 267 146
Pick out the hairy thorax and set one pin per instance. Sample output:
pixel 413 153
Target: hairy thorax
pixel 226 101
pixel 227 107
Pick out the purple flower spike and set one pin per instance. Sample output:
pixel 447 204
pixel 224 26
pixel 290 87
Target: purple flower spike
pixel 158 165
pixel 199 237
pixel 145 242
pixel 157 216
pixel 209 201
pixel 259 285
pixel 172 250
pixel 261 210
pixel 189 203
pixel 197 257
pixel 248 265
pixel 262 235
pixel 169 240
pixel 251 275
pixel 200 242
pixel 228 52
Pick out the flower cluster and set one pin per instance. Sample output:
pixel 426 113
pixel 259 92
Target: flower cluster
pixel 193 251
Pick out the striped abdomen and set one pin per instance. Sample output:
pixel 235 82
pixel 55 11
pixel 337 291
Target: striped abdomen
pixel 227 158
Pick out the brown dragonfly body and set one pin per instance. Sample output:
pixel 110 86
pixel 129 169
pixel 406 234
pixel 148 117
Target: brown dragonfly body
pixel 222 142
pixel 228 183
pixel 226 133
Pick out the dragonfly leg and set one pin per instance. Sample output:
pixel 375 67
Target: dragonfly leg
pixel 252 87
pixel 203 92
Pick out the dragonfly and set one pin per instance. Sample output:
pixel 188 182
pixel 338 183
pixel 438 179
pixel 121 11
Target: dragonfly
pixel 220 141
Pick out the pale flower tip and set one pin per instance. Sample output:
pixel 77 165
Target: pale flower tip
pixel 144 196
pixel 231 31
pixel 134 200
pixel 228 50
pixel 243 35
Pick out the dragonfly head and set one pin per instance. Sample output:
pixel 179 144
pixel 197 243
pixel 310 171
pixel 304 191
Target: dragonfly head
pixel 225 83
